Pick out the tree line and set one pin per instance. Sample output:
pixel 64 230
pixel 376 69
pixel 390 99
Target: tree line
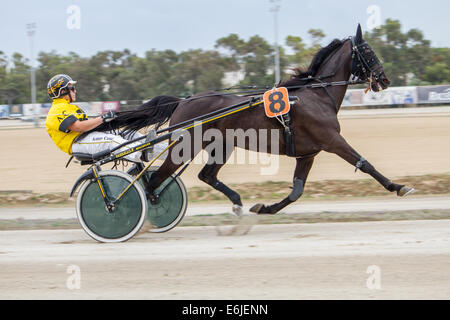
pixel 407 57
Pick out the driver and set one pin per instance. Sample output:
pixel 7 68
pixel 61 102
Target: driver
pixel 70 128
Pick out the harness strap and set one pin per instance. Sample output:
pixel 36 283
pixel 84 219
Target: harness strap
pixel 336 107
pixel 288 134
pixel 68 162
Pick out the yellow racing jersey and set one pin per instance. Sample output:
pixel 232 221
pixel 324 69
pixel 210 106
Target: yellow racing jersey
pixel 60 116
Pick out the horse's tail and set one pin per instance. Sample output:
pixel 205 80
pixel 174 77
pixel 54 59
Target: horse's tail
pixel 157 112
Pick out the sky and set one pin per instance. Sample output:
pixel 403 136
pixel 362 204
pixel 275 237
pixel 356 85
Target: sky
pixel 88 26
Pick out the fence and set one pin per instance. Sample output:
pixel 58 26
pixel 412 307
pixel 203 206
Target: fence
pixel 30 111
pixel 395 96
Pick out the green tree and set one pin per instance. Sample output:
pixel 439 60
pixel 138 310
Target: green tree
pixel 118 79
pixel 438 70
pixel 3 65
pixel 405 55
pixel 18 78
pixel 255 55
pixel 301 53
pixel 51 64
pixel 441 55
pixel 157 74
pixel 437 73
pixel 122 75
pixel 316 36
pixel 204 70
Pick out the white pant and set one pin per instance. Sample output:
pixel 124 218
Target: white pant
pixel 100 141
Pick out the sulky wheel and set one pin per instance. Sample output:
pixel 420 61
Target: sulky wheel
pixel 129 212
pixel 171 205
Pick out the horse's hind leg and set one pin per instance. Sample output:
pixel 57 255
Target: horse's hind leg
pixel 169 166
pixel 340 147
pixel 209 175
pixel 301 173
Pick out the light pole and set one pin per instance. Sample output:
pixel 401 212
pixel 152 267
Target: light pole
pixel 31 30
pixel 275 10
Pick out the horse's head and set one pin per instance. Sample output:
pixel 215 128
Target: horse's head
pixel 365 63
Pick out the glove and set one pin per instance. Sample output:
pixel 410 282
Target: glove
pixel 109 116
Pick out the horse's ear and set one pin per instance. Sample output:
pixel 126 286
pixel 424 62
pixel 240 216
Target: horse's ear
pixel 359 37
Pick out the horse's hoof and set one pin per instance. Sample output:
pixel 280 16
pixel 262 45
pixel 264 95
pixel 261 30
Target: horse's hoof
pixel 257 208
pixel 237 210
pixel 261 209
pixel 404 191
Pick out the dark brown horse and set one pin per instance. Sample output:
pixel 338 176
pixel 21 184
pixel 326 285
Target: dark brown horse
pixel 313 117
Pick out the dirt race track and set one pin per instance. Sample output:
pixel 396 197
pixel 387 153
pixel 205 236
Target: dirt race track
pixel 364 260
pixel 352 260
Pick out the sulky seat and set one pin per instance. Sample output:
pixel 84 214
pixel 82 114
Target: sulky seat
pixel 84 158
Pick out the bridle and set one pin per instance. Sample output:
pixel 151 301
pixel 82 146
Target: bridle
pixel 365 64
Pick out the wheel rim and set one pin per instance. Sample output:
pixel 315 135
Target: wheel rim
pixel 123 220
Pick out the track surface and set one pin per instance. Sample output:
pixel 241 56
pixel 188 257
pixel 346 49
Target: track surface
pixel 300 261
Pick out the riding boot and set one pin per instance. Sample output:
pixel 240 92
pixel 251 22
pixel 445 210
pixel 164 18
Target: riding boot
pixel 147 154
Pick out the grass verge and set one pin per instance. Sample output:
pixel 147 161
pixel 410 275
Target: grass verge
pixel 436 184
pixel 228 219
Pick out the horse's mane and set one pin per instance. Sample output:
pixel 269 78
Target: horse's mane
pixel 298 78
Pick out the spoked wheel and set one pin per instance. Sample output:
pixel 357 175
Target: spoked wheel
pixel 129 212
pixel 171 205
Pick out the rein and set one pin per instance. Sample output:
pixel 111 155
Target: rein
pixel 261 90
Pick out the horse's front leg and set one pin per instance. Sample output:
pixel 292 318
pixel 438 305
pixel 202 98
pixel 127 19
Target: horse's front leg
pixel 302 169
pixel 341 148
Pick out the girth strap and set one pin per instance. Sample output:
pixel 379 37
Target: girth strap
pixel 288 134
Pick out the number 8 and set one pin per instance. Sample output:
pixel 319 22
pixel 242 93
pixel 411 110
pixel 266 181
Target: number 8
pixel 277 100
